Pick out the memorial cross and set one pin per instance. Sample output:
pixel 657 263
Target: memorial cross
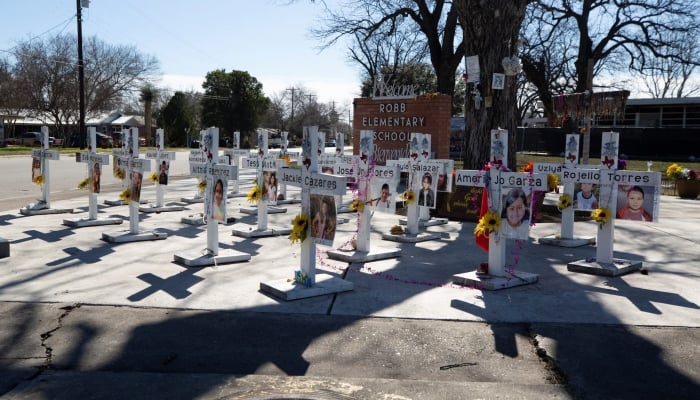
pixel 163 159
pixel 41 173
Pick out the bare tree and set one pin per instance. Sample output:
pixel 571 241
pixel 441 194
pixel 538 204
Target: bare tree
pixel 435 20
pixel 46 71
pixel 615 36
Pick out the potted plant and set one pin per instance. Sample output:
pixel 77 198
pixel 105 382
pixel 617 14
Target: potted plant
pixel 686 180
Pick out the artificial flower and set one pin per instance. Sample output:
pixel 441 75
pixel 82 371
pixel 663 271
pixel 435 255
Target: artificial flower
pixel 553 182
pixel 489 222
pixel 254 194
pixel 119 173
pixel 153 178
pixel 676 171
pixel 202 185
pixel 299 228
pixel 564 201
pixel 409 196
pixel 84 184
pixel 529 167
pixel 125 195
pixel 357 205
pixel 601 216
pixel 39 180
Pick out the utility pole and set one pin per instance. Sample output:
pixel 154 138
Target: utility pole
pixel 291 122
pixel 81 74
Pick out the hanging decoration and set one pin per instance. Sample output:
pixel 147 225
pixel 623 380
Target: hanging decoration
pixel 511 65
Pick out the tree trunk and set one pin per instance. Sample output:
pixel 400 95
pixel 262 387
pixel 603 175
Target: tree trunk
pixel 147 121
pixel 491 30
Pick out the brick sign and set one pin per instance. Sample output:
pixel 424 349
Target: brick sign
pixel 393 120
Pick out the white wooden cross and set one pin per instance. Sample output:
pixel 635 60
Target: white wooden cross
pixel 500 183
pixel 234 157
pixel 41 170
pixel 162 159
pixel 608 177
pixel 95 164
pixel 135 168
pixel 363 170
pixel 307 177
pixel 216 176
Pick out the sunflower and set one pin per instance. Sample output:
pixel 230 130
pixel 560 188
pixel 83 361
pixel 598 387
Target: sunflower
pixel 119 173
pixel 153 178
pixel 674 171
pixel 202 185
pixel 564 201
pixel 489 222
pixel 409 196
pixel 84 184
pixel 601 216
pixel 299 225
pixel 254 194
pixel 125 195
pixel 357 205
pixel 553 182
pixel 39 180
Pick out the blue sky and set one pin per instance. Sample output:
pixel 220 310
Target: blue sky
pixel 267 38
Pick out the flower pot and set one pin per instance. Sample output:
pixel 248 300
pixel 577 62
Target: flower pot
pixel 688 188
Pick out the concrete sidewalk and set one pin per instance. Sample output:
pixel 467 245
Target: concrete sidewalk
pixel 91 319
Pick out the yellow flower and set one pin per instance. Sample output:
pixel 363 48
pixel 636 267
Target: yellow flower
pixel 564 201
pixel 153 178
pixel 84 184
pixel 254 194
pixel 409 196
pixel 39 180
pixel 601 216
pixel 119 173
pixel 489 222
pixel 202 185
pixel 299 228
pixel 125 195
pixel 357 206
pixel 674 171
pixel 552 182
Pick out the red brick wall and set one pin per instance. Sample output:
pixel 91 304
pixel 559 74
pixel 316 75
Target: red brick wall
pixel 393 120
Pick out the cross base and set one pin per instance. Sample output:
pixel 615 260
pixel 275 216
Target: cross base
pixel 252 210
pixel 557 240
pixel 199 260
pixel 151 208
pixel 125 237
pixel 374 254
pixel 250 232
pixel 193 200
pixel 196 220
pixel 235 195
pixel 40 209
pixel 288 289
pixel 422 223
pixel 490 282
pixel 4 248
pixel 616 268
pixel 410 238
pixel 289 201
pixel 121 202
pixel 83 222
pixel 344 210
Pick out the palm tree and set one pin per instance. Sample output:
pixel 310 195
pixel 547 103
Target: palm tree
pixel 148 94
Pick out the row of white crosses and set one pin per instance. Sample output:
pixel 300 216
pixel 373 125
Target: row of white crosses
pixel 495 180
pixel 306 282
pixel 128 158
pixel 216 175
pixel 95 164
pixel 234 156
pixel 41 169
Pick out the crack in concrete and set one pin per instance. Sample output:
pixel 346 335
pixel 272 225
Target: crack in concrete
pixel 556 375
pixel 48 350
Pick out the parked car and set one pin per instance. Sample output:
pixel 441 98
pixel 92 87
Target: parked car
pixel 29 139
pixel 103 140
